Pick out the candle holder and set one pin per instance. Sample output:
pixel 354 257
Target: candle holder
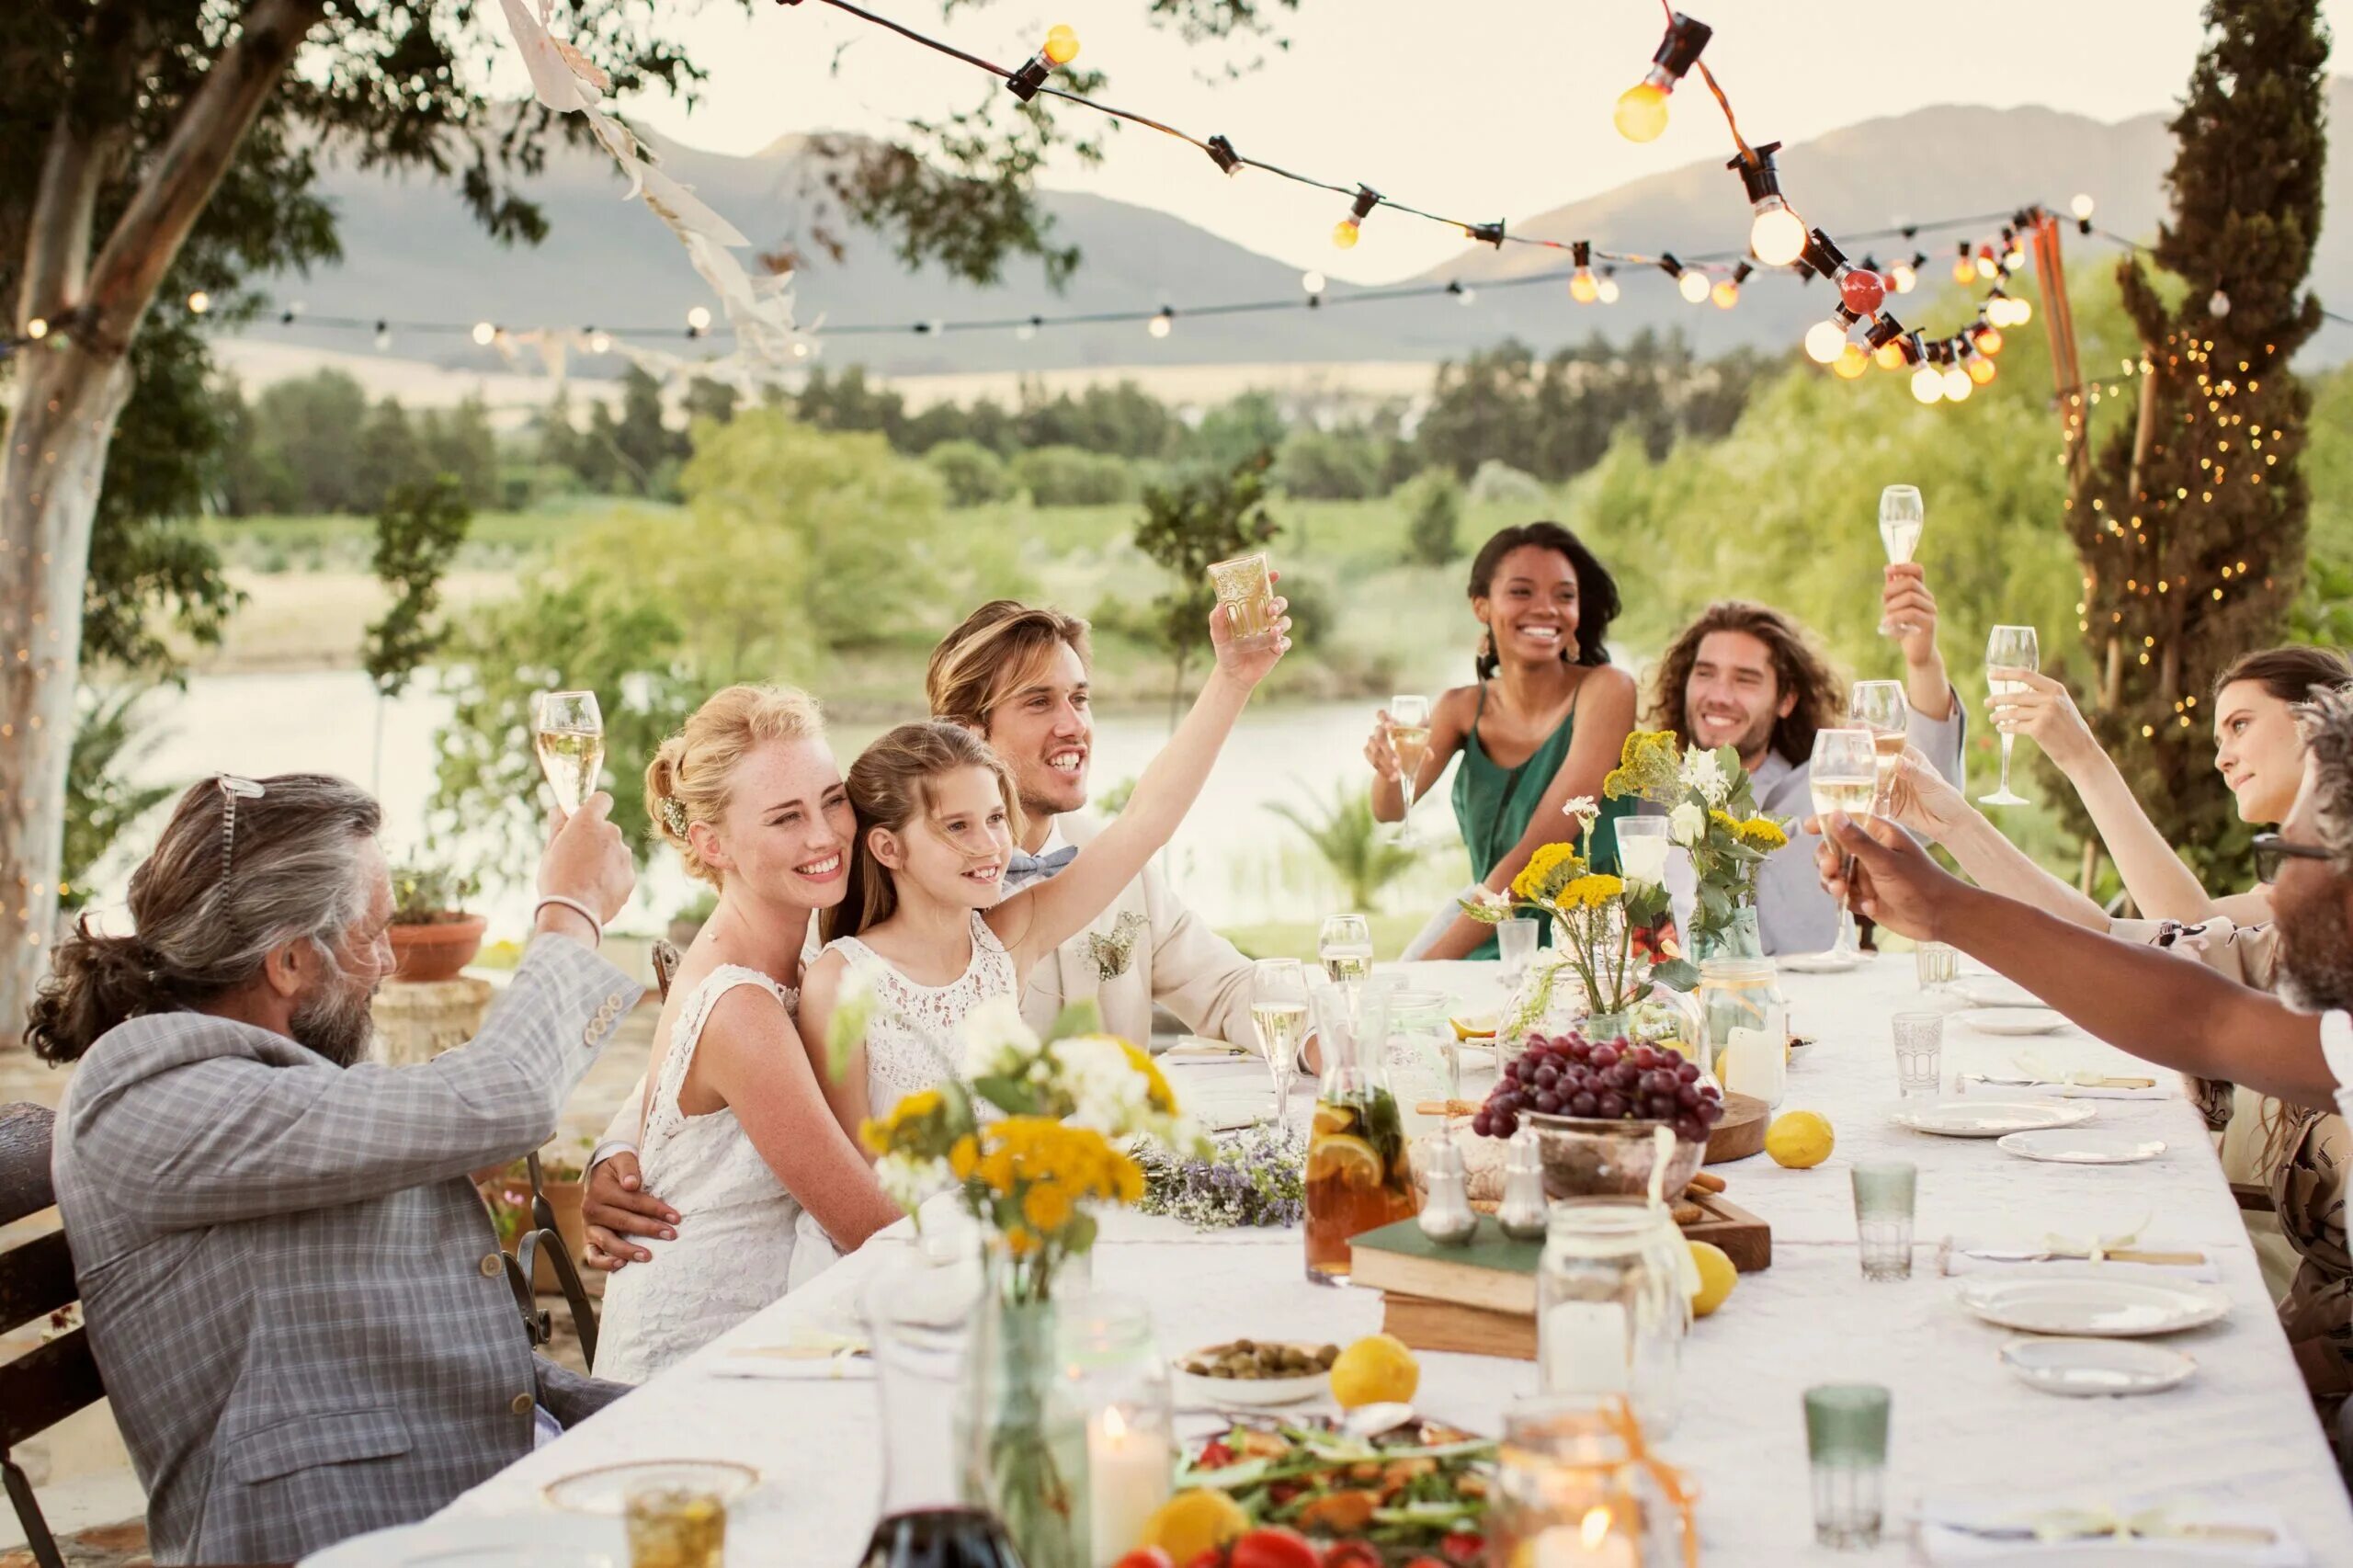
pixel 1116 1381
pixel 1575 1484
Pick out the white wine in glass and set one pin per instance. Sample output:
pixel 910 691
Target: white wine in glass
pixel 1409 741
pixel 568 732
pixel 1901 518
pixel 2010 647
pixel 1844 776
pixel 1879 707
pixel 1278 1012
pixel 1345 947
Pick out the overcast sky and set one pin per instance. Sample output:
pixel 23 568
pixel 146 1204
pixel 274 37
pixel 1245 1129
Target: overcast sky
pixel 1478 108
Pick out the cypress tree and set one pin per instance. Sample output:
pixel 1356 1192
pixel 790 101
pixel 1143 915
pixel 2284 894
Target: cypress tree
pixel 2191 524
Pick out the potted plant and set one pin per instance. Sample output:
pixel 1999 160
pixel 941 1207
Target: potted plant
pixel 564 1182
pixel 433 937
pixel 687 925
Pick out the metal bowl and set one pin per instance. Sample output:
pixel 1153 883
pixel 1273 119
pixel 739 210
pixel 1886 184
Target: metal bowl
pixel 1587 1157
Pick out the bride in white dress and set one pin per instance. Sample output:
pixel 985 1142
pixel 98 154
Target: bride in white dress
pixel 923 920
pixel 736 1133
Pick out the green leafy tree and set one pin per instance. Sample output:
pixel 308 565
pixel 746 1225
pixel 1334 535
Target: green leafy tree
pixel 973 475
pixel 1071 476
pixel 388 453
pixel 303 429
pixel 645 444
pixel 1186 528
pixel 1331 465
pixel 2189 526
pixel 714 401
pixel 1242 424
pixel 417 536
pixel 458 442
pixel 1362 857
pixel 1433 506
pixel 113 739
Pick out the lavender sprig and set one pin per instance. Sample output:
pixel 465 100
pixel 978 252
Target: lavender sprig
pixel 1252 1178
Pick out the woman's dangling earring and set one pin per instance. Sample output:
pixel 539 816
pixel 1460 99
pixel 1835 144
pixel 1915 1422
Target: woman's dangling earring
pixel 1487 644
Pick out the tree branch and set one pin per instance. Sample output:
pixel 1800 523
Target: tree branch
pixel 148 237
pixel 57 244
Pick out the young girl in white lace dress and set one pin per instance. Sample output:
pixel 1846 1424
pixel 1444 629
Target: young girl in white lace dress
pixel 734 1129
pixel 924 919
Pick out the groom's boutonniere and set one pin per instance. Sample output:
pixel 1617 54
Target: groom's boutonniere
pixel 1114 950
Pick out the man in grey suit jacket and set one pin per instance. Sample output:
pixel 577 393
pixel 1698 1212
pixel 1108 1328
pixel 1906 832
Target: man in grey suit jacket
pixel 291 1287
pixel 1018 676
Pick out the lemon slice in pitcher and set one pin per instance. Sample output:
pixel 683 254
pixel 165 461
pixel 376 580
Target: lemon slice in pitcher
pixel 1477 1025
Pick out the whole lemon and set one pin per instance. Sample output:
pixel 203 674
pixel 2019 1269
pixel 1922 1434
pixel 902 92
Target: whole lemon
pixel 1376 1369
pixel 1800 1139
pixel 1717 1276
pixel 1195 1521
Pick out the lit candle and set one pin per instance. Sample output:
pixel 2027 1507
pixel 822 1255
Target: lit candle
pixel 1128 1478
pixel 1592 1543
pixel 1756 1065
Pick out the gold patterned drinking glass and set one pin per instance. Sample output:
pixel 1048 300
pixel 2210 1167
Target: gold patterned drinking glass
pixel 676 1525
pixel 1243 588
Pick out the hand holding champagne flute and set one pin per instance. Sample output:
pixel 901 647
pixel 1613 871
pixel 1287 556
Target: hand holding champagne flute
pixel 568 732
pixel 1844 776
pixel 2009 648
pixel 1409 742
pixel 1901 518
pixel 1879 707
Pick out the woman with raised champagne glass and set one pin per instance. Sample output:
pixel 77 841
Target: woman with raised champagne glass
pixel 1543 724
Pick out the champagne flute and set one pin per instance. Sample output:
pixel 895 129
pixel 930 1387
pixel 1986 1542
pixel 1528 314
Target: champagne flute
pixel 1278 1011
pixel 1345 945
pixel 1844 776
pixel 1879 707
pixel 1901 518
pixel 568 732
pixel 1409 742
pixel 2010 647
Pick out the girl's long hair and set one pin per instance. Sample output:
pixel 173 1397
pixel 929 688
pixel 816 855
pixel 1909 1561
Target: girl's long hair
pixel 890 787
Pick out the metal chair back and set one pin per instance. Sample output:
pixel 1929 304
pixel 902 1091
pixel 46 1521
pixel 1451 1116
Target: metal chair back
pixel 50 1383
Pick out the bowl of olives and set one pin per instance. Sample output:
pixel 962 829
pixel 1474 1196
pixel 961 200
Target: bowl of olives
pixel 1255 1371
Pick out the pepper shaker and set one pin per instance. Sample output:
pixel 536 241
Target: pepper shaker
pixel 1447 1217
pixel 1524 1213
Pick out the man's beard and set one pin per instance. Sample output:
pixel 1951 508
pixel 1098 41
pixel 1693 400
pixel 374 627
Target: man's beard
pixel 2316 954
pixel 335 1021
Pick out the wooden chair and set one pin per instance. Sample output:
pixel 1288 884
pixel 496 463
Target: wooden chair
pixel 44 1386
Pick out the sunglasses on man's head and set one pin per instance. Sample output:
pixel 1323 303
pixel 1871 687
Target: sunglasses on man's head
pixel 2270 850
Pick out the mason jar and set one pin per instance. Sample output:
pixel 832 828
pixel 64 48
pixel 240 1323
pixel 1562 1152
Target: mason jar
pixel 1116 1381
pixel 1611 1310
pixel 1744 1027
pixel 1571 1486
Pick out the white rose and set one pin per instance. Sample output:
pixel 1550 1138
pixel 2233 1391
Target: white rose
pixel 1686 825
pixel 996 1041
pixel 1703 773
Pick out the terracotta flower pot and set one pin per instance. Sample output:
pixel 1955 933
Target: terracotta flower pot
pixel 564 1198
pixel 428 953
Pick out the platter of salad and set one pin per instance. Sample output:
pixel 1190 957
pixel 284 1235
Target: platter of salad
pixel 1417 1491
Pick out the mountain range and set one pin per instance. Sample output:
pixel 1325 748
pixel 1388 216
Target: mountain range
pixel 412 254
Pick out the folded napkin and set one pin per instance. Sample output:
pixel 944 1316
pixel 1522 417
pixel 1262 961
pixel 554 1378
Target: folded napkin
pixel 2118 1085
pixel 2052 1252
pixel 1193 1048
pixel 2167 1526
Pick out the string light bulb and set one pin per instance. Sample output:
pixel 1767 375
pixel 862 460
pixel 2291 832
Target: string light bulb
pixel 2218 304
pixel 1345 233
pixel 1162 325
pixel 698 320
pixel 383 336
pixel 1582 287
pixel 1929 384
pixel 1314 283
pixel 1640 114
pixel 1981 369
pixel 1958 386
pixel 1887 357
pixel 1987 268
pixel 1824 342
pixel 36 328
pixel 1061 47
pixel 1061 43
pixel 484 333
pixel 1776 234
pixel 1852 362
pixel 199 302
pixel 1964 265
pixel 599 343
pixel 1693 286
pixel 1607 290
pixel 1988 338
pixel 1905 275
pixel 2082 206
pixel 1726 292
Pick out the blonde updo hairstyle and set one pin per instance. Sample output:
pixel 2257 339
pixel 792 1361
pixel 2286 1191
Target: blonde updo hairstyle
pixel 692 777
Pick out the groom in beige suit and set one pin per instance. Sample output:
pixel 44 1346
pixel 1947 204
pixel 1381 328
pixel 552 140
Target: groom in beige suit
pixel 1017 675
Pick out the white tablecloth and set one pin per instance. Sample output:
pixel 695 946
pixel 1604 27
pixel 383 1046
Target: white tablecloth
pixel 1960 1422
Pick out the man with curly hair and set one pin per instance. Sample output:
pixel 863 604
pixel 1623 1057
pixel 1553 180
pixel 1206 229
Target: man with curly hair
pixel 1746 675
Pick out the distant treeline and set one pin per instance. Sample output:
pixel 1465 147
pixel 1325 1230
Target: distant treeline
pixel 317 445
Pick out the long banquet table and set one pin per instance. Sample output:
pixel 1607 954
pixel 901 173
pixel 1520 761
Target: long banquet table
pixel 1961 1420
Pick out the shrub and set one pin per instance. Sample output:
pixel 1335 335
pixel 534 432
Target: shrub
pixel 1320 465
pixel 1499 483
pixel 1432 501
pixel 1066 476
pixel 974 475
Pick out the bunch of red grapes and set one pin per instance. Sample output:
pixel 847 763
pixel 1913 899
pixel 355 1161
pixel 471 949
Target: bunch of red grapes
pixel 1613 1081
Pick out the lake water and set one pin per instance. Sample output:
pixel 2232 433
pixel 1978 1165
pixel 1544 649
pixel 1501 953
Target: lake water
pixel 1233 860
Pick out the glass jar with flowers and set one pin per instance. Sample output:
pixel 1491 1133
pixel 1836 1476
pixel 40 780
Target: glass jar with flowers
pixel 1600 972
pixel 1026 1133
pixel 1710 805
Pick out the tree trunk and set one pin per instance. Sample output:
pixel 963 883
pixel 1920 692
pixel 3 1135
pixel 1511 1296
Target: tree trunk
pixel 67 401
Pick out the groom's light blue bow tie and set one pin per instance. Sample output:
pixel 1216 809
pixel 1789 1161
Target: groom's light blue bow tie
pixel 1037 867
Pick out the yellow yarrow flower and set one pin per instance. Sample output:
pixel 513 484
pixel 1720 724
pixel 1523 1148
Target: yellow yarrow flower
pixel 1647 762
pixel 964 1158
pixel 1592 891
pixel 1761 833
pixel 1156 1087
pixel 1552 865
pixel 1046 1207
pixel 875 1135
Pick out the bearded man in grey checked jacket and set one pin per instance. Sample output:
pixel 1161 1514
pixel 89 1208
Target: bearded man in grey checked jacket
pixel 291 1286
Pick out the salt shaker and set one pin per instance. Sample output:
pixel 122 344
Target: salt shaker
pixel 1523 1215
pixel 1447 1217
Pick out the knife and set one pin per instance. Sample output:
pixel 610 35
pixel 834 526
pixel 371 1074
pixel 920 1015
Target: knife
pixel 2120 1254
pixel 2241 1534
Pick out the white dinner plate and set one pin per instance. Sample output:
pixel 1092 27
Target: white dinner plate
pixel 2013 1020
pixel 1994 991
pixel 1820 963
pixel 2086 1368
pixel 512 1540
pixel 2083 1146
pixel 1990 1118
pixel 1192 1388
pixel 2094 1304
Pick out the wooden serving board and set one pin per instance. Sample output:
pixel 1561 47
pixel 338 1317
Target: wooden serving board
pixel 1745 1238
pixel 1742 1132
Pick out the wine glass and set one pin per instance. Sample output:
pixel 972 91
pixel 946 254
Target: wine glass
pixel 2010 647
pixel 1844 776
pixel 1901 518
pixel 1879 707
pixel 1278 1010
pixel 1409 742
pixel 1345 945
pixel 568 732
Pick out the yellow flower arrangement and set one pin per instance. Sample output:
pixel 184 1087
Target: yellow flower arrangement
pixel 1551 868
pixel 1762 832
pixel 1646 763
pixel 1590 890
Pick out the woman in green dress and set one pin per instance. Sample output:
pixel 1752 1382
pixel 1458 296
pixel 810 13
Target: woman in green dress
pixel 1544 724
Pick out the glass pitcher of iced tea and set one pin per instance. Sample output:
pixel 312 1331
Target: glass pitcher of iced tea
pixel 1358 1175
